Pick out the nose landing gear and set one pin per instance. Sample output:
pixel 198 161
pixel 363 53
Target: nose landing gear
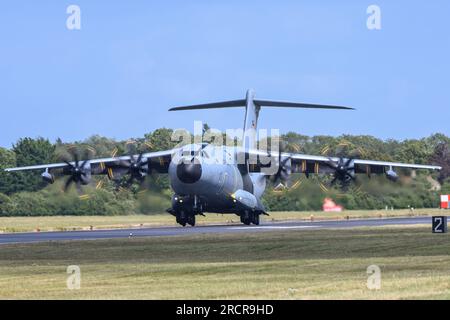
pixel 185 208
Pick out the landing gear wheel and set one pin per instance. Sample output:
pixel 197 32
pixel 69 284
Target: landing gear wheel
pixel 246 218
pixel 181 222
pixel 256 219
pixel 181 218
pixel 191 220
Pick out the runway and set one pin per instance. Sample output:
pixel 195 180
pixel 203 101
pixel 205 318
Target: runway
pixel 210 229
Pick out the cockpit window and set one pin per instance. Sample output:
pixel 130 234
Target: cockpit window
pixel 194 151
pixel 186 153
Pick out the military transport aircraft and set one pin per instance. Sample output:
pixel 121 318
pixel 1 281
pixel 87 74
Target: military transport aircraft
pixel 222 179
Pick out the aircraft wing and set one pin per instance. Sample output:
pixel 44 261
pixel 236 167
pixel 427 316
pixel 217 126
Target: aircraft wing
pixel 157 160
pixel 312 164
pixel 321 164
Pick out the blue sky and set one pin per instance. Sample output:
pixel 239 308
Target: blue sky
pixel 132 60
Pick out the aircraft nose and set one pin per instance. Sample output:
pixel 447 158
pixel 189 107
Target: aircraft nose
pixel 189 172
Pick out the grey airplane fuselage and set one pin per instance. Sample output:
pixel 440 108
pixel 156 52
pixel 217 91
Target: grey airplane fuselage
pixel 208 177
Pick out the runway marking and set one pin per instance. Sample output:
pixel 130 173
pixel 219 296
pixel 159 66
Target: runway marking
pixel 273 227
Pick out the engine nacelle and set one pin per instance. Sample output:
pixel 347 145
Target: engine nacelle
pixel 48 177
pixel 392 175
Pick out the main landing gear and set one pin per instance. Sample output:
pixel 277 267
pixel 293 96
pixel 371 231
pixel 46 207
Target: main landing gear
pixel 250 217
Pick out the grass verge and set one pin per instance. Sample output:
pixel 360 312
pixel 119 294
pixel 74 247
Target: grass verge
pixel 306 264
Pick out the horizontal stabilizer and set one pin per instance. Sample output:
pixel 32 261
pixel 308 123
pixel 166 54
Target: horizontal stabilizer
pixel 215 105
pixel 267 103
pixel 259 103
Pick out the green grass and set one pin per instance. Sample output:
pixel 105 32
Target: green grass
pixel 302 264
pixel 23 224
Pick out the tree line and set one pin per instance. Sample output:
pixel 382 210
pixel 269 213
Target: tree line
pixel 24 193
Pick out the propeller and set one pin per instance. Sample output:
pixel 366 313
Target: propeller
pixel 284 169
pixel 344 171
pixel 136 167
pixel 79 173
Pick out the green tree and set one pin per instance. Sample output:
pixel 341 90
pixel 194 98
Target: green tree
pixel 4 203
pixel 446 186
pixel 160 139
pixel 7 160
pixel 412 151
pixel 29 152
pixel 441 157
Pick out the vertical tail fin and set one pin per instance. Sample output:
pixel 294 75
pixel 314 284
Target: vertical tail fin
pixel 251 121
